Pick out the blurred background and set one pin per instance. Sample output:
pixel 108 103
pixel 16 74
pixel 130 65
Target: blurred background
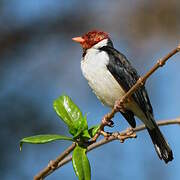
pixel 39 62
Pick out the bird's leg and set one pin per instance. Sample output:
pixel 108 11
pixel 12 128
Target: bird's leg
pixel 106 122
pixel 105 134
pixel 129 133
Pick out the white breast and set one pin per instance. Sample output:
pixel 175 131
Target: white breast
pixel 94 69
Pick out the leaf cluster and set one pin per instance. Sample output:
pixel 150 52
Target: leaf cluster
pixel 77 125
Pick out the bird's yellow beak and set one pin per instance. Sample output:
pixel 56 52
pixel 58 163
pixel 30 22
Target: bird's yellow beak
pixel 78 39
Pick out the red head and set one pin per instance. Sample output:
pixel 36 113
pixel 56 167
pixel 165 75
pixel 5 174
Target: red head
pixel 91 38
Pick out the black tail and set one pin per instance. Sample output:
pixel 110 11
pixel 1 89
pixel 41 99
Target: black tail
pixel 162 147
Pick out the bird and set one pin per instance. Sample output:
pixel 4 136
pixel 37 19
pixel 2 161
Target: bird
pixel 110 75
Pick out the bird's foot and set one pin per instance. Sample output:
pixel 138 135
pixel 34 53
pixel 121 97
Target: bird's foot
pixel 129 133
pixel 118 106
pixel 106 122
pixel 105 134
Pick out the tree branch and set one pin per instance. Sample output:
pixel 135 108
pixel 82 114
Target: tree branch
pixel 61 160
pixel 126 134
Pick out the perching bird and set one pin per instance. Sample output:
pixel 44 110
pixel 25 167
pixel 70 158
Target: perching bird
pixel 110 75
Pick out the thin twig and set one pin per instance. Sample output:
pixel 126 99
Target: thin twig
pixel 54 164
pixel 114 136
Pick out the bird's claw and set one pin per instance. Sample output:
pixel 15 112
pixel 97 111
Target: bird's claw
pixel 106 134
pixel 129 131
pixel 109 123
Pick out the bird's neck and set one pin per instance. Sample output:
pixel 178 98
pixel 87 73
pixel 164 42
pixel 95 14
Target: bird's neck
pixel 98 46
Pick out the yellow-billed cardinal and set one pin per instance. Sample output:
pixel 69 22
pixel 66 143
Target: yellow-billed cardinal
pixel 110 75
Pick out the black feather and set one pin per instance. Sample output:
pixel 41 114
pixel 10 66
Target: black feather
pixel 161 146
pixel 129 116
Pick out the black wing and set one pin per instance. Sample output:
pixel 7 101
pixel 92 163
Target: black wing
pixel 129 116
pixel 127 76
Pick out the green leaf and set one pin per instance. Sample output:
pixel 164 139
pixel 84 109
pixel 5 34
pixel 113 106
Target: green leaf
pixel 71 115
pixel 41 139
pixel 81 163
pixel 93 130
pixel 81 128
pixel 86 135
